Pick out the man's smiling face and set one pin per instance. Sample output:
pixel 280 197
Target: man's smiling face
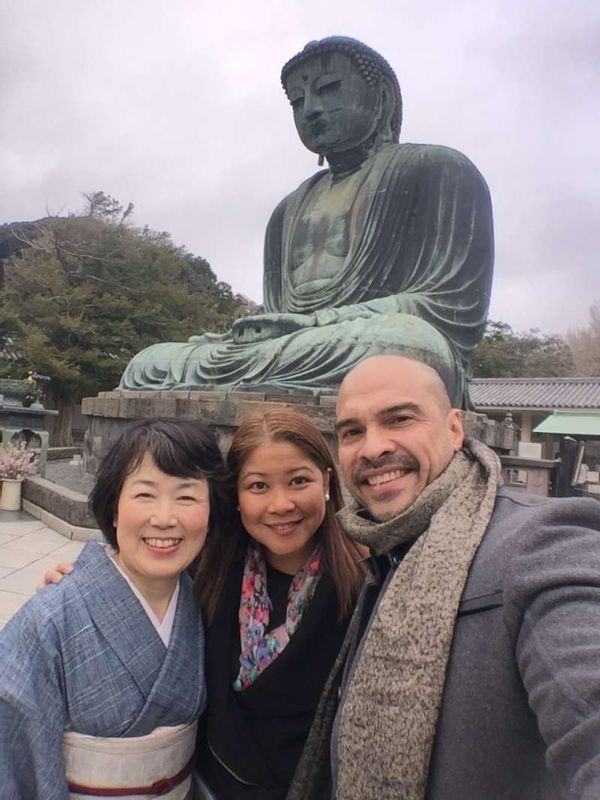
pixel 396 432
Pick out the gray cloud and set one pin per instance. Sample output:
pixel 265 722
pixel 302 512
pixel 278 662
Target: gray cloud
pixel 177 107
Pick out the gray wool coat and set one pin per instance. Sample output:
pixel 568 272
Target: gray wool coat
pixel 520 715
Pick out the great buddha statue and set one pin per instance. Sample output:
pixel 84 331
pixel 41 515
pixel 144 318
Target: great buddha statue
pixel 389 250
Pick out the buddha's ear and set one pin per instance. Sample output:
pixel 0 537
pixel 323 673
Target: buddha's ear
pixel 386 99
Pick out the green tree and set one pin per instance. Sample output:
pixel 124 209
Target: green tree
pixel 88 292
pixel 584 343
pixel 506 354
pixel 13 240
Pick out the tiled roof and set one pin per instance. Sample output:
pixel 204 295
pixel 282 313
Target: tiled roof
pixel 532 393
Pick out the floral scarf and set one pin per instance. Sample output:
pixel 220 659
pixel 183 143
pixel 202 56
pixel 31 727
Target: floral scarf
pixel 259 649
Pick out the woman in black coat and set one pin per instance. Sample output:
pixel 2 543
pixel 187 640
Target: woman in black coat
pixel 278 592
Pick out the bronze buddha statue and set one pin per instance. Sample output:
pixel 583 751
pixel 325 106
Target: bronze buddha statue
pixel 389 250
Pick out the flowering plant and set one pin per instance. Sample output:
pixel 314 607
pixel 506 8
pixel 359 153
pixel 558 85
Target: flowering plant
pixel 17 462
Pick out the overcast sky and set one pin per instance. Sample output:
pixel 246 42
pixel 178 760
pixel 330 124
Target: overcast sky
pixel 177 107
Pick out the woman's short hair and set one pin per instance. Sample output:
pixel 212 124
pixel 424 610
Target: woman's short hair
pixel 184 448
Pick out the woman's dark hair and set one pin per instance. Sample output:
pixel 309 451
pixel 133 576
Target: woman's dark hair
pixel 184 448
pixel 342 557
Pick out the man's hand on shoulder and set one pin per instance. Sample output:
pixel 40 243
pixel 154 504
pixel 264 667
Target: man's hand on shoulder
pixel 55 574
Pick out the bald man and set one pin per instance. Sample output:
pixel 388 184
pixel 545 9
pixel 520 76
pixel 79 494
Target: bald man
pixel 472 663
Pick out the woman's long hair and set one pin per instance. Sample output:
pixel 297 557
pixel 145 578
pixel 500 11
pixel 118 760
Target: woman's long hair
pixel 342 557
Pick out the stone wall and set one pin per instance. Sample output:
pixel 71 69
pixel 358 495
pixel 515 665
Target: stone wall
pixel 111 412
pixel 59 500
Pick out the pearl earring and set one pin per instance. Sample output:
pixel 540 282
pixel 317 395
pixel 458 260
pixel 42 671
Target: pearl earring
pixel 326 496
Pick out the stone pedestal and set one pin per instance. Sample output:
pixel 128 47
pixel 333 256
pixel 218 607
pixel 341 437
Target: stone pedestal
pixel 111 412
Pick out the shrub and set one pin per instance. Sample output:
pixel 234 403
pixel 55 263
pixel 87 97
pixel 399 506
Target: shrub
pixel 17 462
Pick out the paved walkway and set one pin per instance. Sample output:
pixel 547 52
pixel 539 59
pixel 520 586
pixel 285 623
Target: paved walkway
pixel 27 549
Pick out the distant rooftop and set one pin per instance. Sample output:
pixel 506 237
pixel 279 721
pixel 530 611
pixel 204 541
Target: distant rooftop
pixel 544 394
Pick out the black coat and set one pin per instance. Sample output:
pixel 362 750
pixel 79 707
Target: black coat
pixel 251 741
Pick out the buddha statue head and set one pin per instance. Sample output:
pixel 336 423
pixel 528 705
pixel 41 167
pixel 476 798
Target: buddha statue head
pixel 345 98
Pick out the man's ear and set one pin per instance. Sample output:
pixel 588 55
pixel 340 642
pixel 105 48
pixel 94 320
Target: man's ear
pixel 455 428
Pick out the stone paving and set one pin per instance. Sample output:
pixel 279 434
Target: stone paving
pixel 27 549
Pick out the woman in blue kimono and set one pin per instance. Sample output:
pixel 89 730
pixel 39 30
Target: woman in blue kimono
pixel 102 676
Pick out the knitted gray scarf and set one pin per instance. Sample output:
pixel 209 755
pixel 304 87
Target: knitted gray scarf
pixel 389 717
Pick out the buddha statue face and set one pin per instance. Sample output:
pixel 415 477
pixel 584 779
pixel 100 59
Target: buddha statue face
pixel 335 109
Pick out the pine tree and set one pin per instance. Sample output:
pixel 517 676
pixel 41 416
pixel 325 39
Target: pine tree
pixel 506 354
pixel 88 292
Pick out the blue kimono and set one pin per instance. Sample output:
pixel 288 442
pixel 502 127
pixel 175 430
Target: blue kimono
pixel 83 656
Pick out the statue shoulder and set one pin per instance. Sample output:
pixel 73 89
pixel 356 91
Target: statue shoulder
pixel 433 157
pixel 277 214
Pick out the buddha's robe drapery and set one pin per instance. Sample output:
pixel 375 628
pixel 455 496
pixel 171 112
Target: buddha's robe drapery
pixel 416 280
pixel 84 656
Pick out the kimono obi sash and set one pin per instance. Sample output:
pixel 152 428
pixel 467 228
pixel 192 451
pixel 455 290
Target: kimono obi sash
pixel 144 767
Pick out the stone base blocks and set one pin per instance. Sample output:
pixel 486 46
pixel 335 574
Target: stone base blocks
pixel 111 412
pixel 59 500
pixel 59 508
